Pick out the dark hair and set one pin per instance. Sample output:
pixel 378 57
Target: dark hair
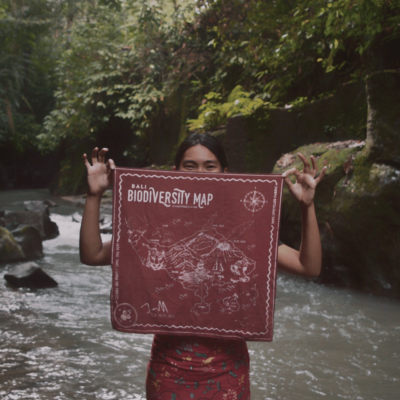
pixel 206 140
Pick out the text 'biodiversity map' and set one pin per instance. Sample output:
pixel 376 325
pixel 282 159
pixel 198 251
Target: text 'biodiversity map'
pixel 195 253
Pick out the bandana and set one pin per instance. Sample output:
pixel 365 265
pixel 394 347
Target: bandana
pixel 195 253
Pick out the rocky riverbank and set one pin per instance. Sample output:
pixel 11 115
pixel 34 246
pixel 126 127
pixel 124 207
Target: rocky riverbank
pixel 355 132
pixel 357 203
pixel 22 232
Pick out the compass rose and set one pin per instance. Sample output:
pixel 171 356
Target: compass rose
pixel 254 201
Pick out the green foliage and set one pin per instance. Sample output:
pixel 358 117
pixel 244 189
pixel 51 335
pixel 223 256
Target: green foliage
pixel 115 65
pixel 89 65
pixel 214 114
pixel 284 49
pixel 86 66
pixel 123 60
pixel 290 52
pixel 24 28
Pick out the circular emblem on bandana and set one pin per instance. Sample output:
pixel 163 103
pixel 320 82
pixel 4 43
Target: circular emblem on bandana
pixel 254 201
pixel 125 315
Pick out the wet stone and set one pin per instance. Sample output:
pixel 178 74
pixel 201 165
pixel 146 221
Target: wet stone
pixel 28 237
pixel 36 206
pixel 29 275
pixel 50 203
pixel 10 250
pixel 106 228
pixel 40 220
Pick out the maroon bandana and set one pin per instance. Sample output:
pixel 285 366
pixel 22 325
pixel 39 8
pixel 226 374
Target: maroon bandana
pixel 195 254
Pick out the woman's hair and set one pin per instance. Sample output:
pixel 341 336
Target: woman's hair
pixel 206 140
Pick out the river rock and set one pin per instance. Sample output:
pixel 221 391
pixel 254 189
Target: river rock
pixel 10 250
pixel 36 206
pixel 40 220
pixel 30 241
pixel 78 201
pixel 39 205
pixel 106 227
pixel 50 203
pixel 358 215
pixel 29 275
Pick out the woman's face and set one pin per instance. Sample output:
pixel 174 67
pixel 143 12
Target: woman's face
pixel 199 159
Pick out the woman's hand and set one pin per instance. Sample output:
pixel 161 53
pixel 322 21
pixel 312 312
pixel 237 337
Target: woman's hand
pixel 307 261
pixel 92 250
pixel 306 181
pixel 99 173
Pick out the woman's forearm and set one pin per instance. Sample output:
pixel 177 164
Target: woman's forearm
pixel 310 255
pixel 92 250
pixel 307 261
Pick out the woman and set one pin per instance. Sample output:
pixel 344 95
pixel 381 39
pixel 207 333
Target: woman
pixel 184 368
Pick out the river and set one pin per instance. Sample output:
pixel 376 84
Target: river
pixel 58 343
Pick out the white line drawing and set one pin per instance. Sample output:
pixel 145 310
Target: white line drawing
pixel 254 201
pixel 160 308
pixel 198 262
pixel 125 314
pixel 244 322
pixel 188 329
pixel 252 295
pixel 229 304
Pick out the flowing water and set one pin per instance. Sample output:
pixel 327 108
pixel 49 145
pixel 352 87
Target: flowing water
pixel 58 343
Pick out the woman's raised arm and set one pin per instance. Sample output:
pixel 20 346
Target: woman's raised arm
pixel 307 261
pixel 91 248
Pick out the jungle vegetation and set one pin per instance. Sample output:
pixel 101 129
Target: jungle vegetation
pixel 136 75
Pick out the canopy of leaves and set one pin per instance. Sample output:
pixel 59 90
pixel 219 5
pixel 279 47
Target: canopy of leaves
pixel 146 63
pixel 125 62
pixel 25 87
pixel 281 51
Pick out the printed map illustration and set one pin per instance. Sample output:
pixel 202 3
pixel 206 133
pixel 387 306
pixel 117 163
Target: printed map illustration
pixel 195 253
pixel 199 262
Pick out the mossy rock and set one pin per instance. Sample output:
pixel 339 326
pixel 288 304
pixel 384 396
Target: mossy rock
pixel 40 220
pixel 359 220
pixel 28 237
pixel 10 250
pixel 333 159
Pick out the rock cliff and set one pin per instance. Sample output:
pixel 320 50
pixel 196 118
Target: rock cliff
pixel 358 203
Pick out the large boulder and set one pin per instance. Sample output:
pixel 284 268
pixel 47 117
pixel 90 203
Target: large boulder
pixel 358 211
pixel 40 220
pixel 28 237
pixel 10 250
pixel 29 275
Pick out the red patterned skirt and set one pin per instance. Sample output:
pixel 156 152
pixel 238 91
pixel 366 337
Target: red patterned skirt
pixel 197 368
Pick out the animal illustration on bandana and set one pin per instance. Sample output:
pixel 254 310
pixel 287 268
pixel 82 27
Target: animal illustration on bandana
pixel 199 262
